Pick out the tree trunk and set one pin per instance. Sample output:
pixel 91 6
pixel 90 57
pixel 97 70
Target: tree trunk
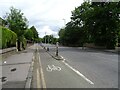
pixel 18 46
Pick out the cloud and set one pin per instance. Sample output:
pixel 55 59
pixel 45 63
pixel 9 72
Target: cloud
pixel 43 14
pixel 46 30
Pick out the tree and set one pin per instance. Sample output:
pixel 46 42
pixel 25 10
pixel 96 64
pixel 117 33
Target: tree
pixel 3 22
pixel 17 23
pixel 29 35
pixel 106 23
pixel 49 39
pixel 39 40
pixel 75 33
pixel 62 36
pixel 80 17
pixel 96 22
pixel 72 34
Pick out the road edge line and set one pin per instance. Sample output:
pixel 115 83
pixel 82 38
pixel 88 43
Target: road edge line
pixel 78 72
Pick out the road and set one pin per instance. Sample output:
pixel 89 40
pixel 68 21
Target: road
pixel 51 73
pixel 100 67
pixel 79 69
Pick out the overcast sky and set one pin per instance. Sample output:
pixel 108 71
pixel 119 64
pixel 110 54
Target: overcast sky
pixel 46 15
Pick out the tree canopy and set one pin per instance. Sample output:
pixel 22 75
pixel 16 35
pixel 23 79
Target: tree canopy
pixel 49 39
pixel 16 21
pixel 31 34
pixel 95 22
pixel 35 33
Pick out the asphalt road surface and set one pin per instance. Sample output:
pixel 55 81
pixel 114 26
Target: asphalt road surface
pixel 51 73
pixel 86 68
pixel 80 68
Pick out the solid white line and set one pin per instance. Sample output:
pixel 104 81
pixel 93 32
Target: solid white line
pixel 80 74
pixel 61 57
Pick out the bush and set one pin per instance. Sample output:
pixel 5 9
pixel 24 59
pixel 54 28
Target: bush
pixel 8 38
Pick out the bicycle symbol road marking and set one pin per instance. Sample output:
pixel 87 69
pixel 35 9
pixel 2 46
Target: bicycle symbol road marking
pixel 53 68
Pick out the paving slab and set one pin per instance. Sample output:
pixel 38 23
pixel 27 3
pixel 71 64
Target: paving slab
pixel 15 69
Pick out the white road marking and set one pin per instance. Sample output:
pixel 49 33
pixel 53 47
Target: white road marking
pixel 42 75
pixel 80 74
pixel 61 57
pixel 51 68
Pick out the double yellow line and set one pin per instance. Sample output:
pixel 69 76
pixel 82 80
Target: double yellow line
pixel 40 75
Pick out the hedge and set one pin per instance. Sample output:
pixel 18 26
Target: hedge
pixel 8 38
pixel 0 37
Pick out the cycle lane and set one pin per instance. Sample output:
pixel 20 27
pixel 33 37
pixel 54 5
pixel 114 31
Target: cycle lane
pixel 59 75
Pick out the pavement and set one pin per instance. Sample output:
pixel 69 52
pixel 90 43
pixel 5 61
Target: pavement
pixel 7 50
pixel 16 69
pixel 116 50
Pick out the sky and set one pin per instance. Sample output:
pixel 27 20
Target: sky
pixel 48 16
